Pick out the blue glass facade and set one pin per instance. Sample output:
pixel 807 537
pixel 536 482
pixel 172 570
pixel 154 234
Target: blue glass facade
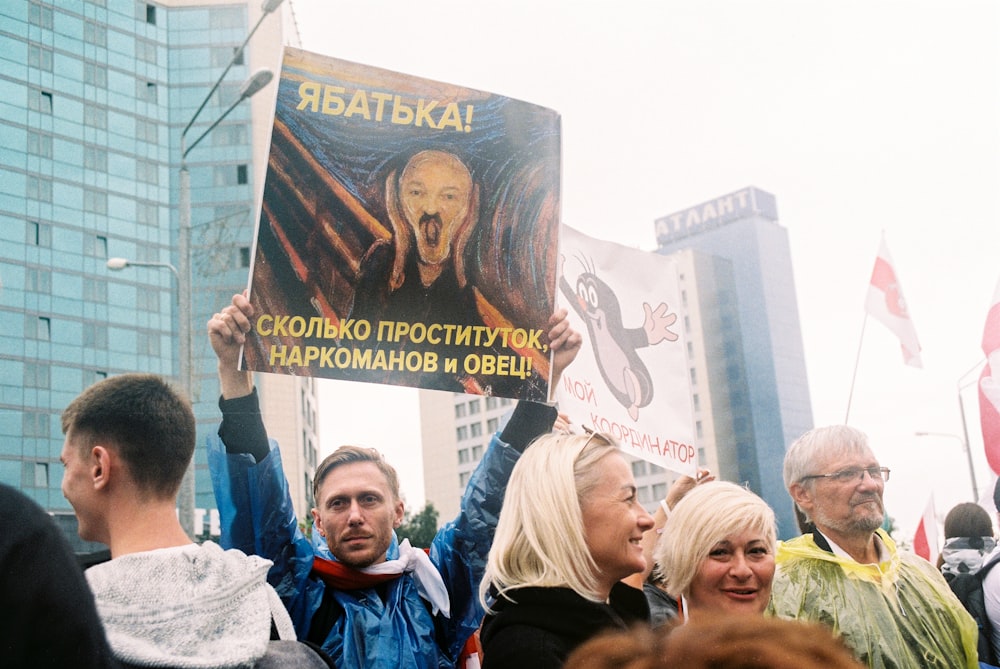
pixel 762 360
pixel 93 98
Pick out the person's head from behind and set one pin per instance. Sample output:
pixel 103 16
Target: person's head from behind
pixel 835 479
pixel 357 505
pixel 967 519
pixel 570 518
pixel 725 642
pixel 132 433
pixel 717 551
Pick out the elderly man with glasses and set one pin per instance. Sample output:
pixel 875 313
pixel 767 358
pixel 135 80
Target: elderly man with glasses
pixel 893 608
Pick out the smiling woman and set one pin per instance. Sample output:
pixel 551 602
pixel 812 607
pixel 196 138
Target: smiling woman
pixel 717 551
pixel 570 530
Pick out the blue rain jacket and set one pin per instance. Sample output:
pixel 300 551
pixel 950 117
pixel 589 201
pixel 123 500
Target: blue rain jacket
pixel 257 517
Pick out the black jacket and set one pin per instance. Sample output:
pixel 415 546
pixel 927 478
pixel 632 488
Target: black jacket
pixel 539 627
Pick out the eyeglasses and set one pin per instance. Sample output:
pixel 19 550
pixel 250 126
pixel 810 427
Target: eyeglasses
pixel 855 474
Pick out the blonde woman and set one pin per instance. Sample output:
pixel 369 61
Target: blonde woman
pixel 716 552
pixel 570 530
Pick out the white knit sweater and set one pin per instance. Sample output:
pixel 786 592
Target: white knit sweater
pixel 190 606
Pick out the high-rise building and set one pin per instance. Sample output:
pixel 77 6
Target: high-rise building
pixel 750 394
pixel 95 97
pixel 748 374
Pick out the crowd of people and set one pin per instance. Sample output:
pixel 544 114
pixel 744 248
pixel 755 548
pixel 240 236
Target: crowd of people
pixel 551 562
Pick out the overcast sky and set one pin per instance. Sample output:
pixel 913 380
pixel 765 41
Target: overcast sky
pixel 860 117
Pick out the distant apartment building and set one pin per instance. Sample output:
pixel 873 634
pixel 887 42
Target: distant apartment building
pixel 95 96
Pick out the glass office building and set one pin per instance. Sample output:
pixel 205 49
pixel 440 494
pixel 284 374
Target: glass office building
pixel 94 96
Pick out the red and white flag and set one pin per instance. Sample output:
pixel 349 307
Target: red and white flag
pixel 989 385
pixel 925 541
pixel 885 303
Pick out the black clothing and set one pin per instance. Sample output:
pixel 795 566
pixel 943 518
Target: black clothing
pixel 539 627
pixel 49 618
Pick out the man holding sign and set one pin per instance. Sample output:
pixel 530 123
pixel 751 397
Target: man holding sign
pixel 367 599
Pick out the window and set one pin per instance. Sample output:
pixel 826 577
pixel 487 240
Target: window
pixel 96 202
pixel 146 131
pixel 228 94
pixel 145 90
pixel 463 479
pixel 233 134
pixel 492 425
pixel 460 410
pixel 643 495
pixel 148 343
pixel 462 432
pixel 95 117
pixel 659 490
pixel 696 402
pixel 148 300
pixel 40 57
pixel 225 17
pixel 39 189
pixel 463 456
pixel 694 377
pixel 40 101
pixel 225 175
pixel 95 246
pixel 473 407
pixel 36 375
pixel 95 290
pixel 95 158
pixel 224 55
pixel 639 468
pixel 41 475
pixel 241 174
pixel 244 256
pixel 145 50
pixel 476 430
pixel 40 16
pixel 95 75
pixel 38 328
pixel 95 335
pixel 95 33
pixel 37 280
pixel 146 213
pixel 151 15
pixel 147 171
pixel 39 234
pixel 477 453
pixel 491 403
pixel 39 144
pixel 35 424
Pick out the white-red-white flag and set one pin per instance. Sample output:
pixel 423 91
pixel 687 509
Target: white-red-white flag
pixel 885 303
pixel 925 541
pixel 989 385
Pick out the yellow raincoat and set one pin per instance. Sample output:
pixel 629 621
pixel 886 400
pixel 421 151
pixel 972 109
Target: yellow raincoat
pixel 899 614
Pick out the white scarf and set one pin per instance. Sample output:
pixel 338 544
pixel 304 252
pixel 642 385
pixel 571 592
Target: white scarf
pixel 414 561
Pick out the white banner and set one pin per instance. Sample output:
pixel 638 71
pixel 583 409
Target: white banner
pixel 631 377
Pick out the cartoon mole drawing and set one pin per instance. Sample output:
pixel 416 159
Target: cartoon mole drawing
pixel 614 344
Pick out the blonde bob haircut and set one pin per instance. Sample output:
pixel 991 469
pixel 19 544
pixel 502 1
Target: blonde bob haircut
pixel 707 515
pixel 539 540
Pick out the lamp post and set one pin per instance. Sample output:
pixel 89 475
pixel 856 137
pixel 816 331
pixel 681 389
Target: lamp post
pixel 968 455
pixel 184 350
pixel 252 86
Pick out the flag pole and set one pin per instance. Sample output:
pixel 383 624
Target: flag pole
pixel 854 375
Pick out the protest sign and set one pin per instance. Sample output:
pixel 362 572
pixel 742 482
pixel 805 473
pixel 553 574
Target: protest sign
pixel 407 233
pixel 631 376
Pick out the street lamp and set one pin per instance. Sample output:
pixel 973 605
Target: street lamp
pixel 968 454
pixel 252 86
pixel 184 348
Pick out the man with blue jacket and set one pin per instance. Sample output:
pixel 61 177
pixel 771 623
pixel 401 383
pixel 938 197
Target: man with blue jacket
pixel 367 599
